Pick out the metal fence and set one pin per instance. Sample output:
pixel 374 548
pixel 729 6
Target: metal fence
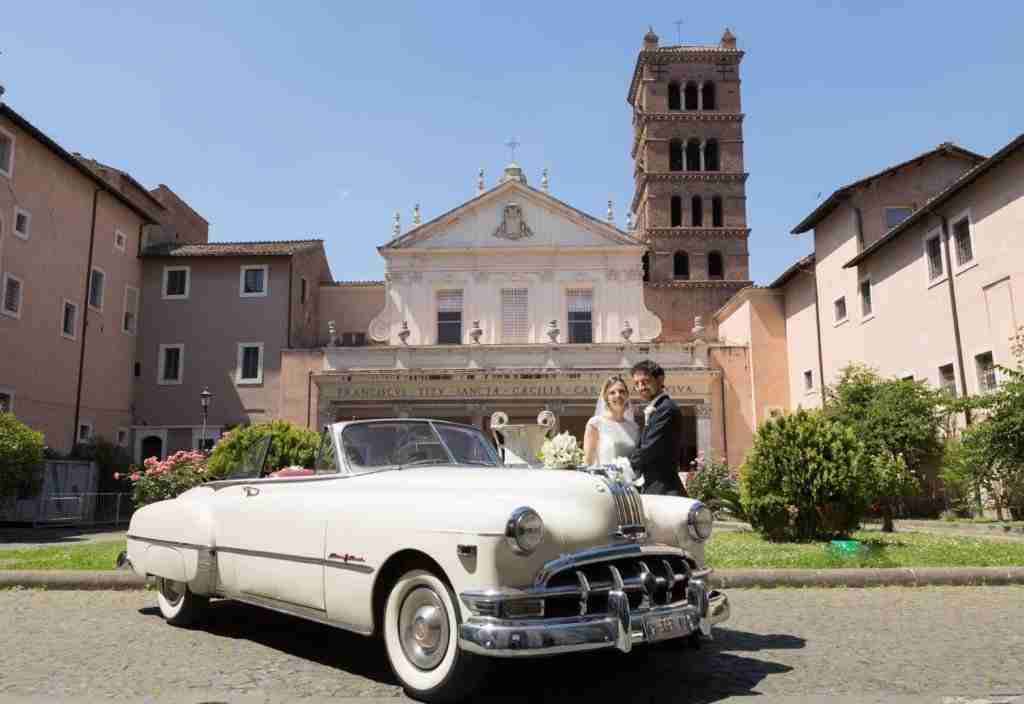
pixel 84 509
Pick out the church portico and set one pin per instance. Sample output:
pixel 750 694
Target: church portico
pixel 468 383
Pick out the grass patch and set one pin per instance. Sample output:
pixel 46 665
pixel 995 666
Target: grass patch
pixel 748 550
pixel 83 556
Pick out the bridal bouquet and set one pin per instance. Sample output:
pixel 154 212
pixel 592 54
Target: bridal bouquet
pixel 561 452
pixel 622 470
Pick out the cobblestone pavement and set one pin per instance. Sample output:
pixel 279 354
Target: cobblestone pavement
pixel 883 645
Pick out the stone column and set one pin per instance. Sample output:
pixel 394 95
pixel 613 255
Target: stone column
pixel 703 413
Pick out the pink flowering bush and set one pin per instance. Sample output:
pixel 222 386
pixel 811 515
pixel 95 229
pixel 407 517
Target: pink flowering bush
pixel 715 484
pixel 158 480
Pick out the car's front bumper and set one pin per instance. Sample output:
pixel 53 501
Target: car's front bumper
pixel 619 628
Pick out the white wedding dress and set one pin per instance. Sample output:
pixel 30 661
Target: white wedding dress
pixel 614 439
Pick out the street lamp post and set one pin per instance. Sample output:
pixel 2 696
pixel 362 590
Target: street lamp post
pixel 204 401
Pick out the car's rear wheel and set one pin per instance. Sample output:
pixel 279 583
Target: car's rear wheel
pixel 178 604
pixel 421 635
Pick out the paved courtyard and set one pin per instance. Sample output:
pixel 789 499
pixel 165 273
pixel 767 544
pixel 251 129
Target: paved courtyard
pixel 928 644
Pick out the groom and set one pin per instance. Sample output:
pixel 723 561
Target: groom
pixel 656 456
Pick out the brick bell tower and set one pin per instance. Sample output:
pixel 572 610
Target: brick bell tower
pixel 690 186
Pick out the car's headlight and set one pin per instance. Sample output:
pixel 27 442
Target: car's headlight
pixel 524 530
pixel 699 521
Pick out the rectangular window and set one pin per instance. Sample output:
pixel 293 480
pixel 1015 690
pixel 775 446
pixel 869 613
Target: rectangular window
pixel 69 320
pixel 96 281
pixel 302 290
pixel 13 295
pixel 894 216
pixel 130 320
pixel 515 320
pixel 865 298
pixel 839 309
pixel 933 251
pixel 85 430
pixel 449 317
pixel 172 363
pixel 250 363
pixel 581 307
pixel 253 281
pixel 986 369
pixel 353 339
pixel 6 153
pixel 947 379
pixel 808 380
pixel 6 400
pixel 962 242
pixel 22 223
pixel 177 282
pixel 122 437
pixel 120 241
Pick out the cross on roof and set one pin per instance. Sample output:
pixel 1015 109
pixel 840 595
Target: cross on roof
pixel 512 144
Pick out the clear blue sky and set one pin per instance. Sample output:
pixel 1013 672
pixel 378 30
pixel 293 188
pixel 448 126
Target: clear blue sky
pixel 300 119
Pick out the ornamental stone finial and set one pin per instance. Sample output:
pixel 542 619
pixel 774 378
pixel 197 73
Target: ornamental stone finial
pixel 610 215
pixel 475 332
pixel 728 39
pixel 698 328
pixel 404 333
pixel 650 39
pixel 332 334
pixel 544 180
pixel 629 220
pixel 396 227
pixel 480 181
pixel 416 214
pixel 627 331
pixel 553 331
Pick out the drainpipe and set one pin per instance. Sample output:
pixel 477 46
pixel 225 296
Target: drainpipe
pixel 817 329
pixel 725 420
pixel 85 319
pixel 953 310
pixel 291 264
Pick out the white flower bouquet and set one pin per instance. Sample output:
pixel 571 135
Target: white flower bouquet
pixel 561 452
pixel 622 470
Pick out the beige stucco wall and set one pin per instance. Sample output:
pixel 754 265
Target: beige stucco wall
pixel 801 341
pixel 36 362
pixel 351 306
pixel 211 323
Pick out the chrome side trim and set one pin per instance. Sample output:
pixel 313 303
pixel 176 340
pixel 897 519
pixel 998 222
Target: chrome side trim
pixel 366 569
pixel 290 609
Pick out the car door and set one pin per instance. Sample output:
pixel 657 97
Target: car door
pixel 270 534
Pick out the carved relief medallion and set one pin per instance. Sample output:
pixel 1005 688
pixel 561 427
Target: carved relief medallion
pixel 513 226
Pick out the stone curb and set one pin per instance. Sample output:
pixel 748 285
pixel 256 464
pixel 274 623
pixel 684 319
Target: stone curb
pixel 723 579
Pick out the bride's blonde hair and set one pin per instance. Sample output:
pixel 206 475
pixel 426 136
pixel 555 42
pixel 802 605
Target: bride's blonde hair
pixel 609 383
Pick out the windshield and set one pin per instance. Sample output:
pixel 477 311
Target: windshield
pixel 407 443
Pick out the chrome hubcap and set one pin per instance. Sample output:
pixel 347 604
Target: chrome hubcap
pixel 172 591
pixel 423 628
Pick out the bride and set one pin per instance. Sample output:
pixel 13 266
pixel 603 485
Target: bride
pixel 611 433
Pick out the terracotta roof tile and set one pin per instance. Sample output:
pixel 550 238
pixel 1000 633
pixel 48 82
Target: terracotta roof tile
pixel 278 248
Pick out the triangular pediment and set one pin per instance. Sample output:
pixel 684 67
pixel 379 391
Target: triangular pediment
pixel 514 215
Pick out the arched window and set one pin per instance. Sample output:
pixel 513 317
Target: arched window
pixel 715 269
pixel 675 101
pixel 675 155
pixel 697 212
pixel 711 155
pixel 693 155
pixel 677 211
pixel 645 261
pixel 681 265
pixel 717 217
pixel 690 96
pixel 708 96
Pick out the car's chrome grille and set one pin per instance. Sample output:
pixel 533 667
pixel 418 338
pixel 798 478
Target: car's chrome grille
pixel 629 509
pixel 650 580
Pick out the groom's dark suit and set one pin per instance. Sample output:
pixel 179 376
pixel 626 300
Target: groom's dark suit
pixel 656 456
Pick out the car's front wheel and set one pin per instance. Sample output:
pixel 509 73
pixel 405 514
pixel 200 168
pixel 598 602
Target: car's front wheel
pixel 421 635
pixel 178 604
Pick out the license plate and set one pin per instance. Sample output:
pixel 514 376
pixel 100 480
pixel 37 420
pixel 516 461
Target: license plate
pixel 664 627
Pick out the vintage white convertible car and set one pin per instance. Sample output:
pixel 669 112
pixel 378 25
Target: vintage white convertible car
pixel 416 531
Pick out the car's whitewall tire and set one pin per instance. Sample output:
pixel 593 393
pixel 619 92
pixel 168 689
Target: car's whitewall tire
pixel 421 636
pixel 178 605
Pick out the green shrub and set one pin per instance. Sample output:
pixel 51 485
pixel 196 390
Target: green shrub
pixel 21 455
pixel 713 483
pixel 291 445
pixel 805 478
pixel 110 459
pixel 957 480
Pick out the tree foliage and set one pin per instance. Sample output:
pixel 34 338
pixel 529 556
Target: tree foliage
pixel 291 446
pixel 806 477
pixel 21 455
